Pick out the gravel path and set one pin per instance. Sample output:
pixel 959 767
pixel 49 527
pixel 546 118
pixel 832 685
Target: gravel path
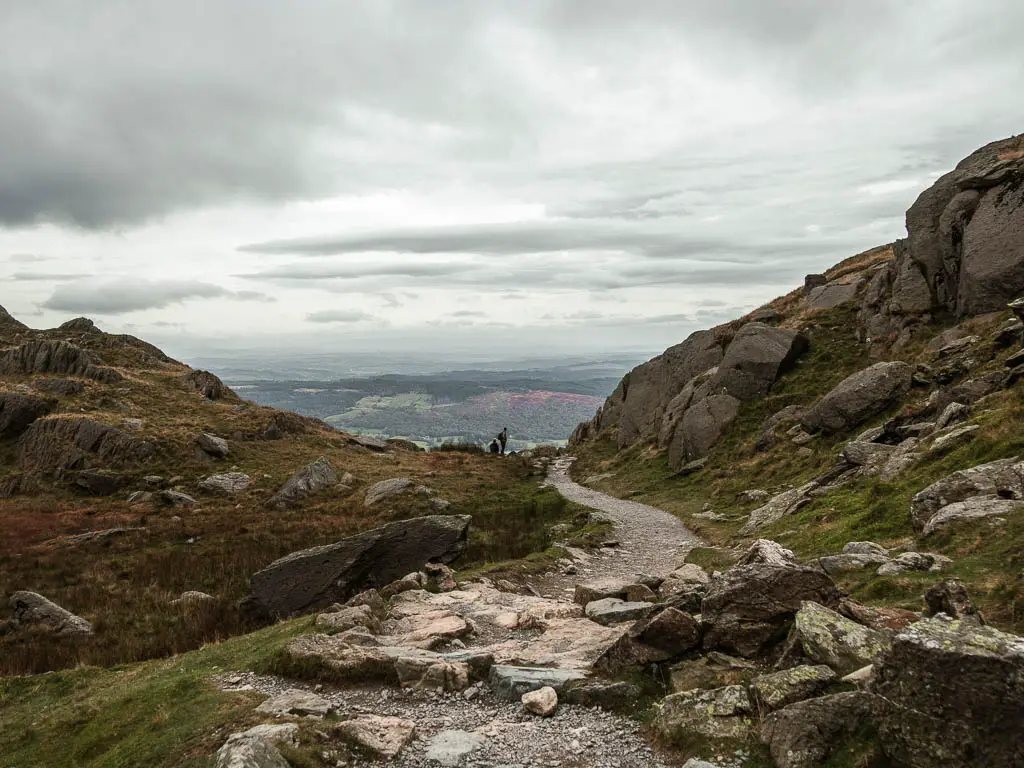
pixel 651 541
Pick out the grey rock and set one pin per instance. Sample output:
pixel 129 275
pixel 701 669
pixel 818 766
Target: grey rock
pixel 599 589
pixel 814 281
pixel 58 357
pixel 308 481
pixel 722 713
pixel 972 509
pixel 177 499
pixel 312 579
pixel 193 598
pixel 864 548
pixel 100 482
pixel 452 747
pixel 1003 478
pixel 17 411
pixel 804 734
pixel 60 387
pixel 767 552
pixel 913 561
pixel 779 506
pixel 225 484
pixel 510 683
pixel 750 606
pixel 614 696
pixel 833 294
pixel 949 597
pixel 955 695
pixel 213 446
pixel 380 736
pixel 60 443
pixel 371 443
pixel 951 414
pixel 831 639
pixel 387 489
pixel 753 495
pixel 257 747
pixel 755 358
pixel 296 701
pixel 29 609
pixel 208 385
pixel 955 438
pixel 701 427
pixel 611 610
pixel 780 689
pixel 834 564
pixel 859 397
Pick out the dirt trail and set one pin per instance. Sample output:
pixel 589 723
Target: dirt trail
pixel 651 541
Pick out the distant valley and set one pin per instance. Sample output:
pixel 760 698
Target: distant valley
pixel 539 405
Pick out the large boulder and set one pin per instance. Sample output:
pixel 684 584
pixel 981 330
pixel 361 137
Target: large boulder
pixel 208 385
pixel 257 747
pixel 956 696
pixel 722 713
pixel 755 358
pixel 57 357
pixel 59 443
pixel 831 639
pixel 779 506
pixel 749 607
pixel 387 489
pixel 972 509
pixel 309 480
pixel 779 689
pixel 804 734
pixel 1003 479
pixel 860 396
pixel 383 737
pixel 29 609
pixel 312 579
pixel 17 411
pixel 701 427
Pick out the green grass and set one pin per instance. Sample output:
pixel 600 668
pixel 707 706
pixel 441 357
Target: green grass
pixel 157 713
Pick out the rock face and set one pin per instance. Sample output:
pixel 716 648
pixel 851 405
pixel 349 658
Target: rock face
pixel 17 411
pixel 9 323
pixel 686 397
pixel 59 443
pixel 751 606
pixel 208 385
pixel 309 480
pixel 32 610
pixel 56 357
pixel 859 397
pixel 312 579
pixel 956 690
pixel 964 252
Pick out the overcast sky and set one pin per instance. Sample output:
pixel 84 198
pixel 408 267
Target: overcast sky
pixel 539 174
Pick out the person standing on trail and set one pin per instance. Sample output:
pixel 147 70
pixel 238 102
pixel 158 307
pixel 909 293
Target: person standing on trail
pixel 503 439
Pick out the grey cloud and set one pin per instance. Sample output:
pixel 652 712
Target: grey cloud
pixel 27 258
pixel 26 276
pixel 339 316
pixel 466 313
pixel 120 295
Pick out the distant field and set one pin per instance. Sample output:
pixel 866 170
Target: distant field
pixel 538 407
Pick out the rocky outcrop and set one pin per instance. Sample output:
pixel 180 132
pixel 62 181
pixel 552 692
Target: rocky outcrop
pixel 312 579
pixel 686 397
pixel 31 610
pixel 991 482
pixel 56 357
pixel 56 444
pixel 17 411
pixel 964 254
pixel 309 480
pixel 859 397
pixel 208 385
pixel 955 690
pixel 749 607
pixel 10 323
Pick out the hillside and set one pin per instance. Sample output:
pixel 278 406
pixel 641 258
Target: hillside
pixel 792 540
pixel 742 432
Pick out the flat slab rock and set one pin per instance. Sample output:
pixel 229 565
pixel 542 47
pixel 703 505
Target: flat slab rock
pixel 510 683
pixel 614 611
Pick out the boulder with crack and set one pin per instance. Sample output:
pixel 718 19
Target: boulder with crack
pixel 956 696
pixel 749 607
pixel 780 689
pixel 831 639
pixel 29 609
pixel 312 579
pixel 722 713
pixel 308 481
pixel 860 396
